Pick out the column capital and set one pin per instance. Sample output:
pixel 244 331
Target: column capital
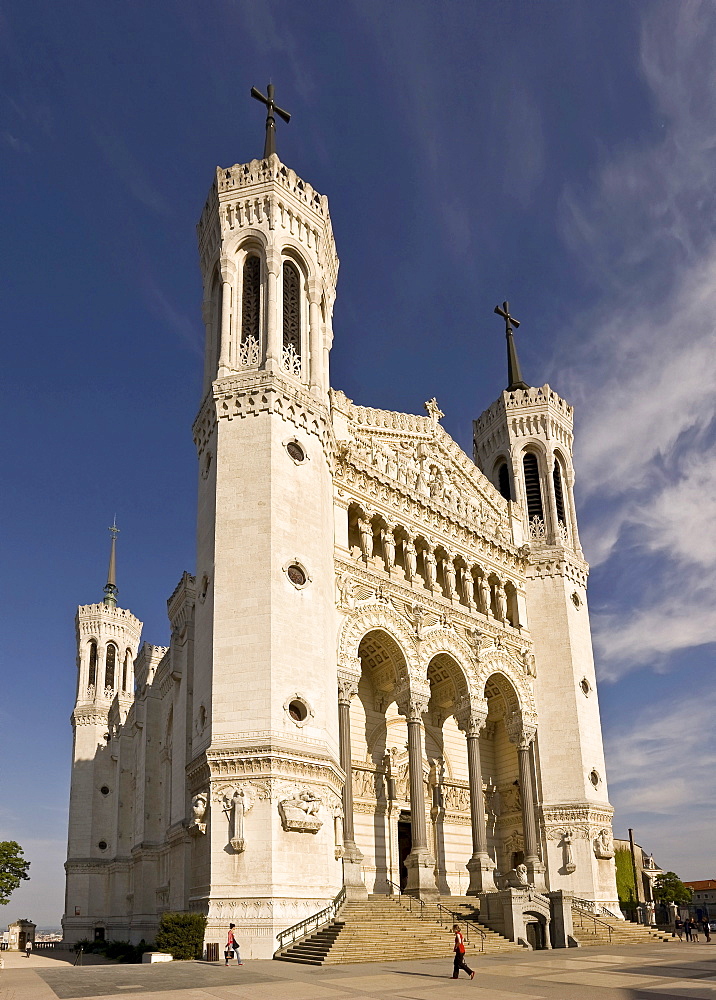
pixel 314 290
pixel 471 715
pixel 412 700
pixel 348 682
pixel 520 731
pixel 227 267
pixel 273 260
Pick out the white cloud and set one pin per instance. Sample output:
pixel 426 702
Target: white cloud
pixel 645 372
pixel 660 770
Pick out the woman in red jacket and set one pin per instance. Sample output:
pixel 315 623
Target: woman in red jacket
pixel 460 954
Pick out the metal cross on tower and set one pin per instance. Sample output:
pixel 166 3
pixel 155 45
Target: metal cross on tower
pixel 271 106
pixel 514 375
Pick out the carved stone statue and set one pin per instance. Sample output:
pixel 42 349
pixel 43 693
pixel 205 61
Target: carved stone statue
pixel 235 808
pixel 485 594
pixel 501 602
pixel 430 565
pixel 529 663
pixel 301 812
pixel 388 539
pixel 366 537
pixel 199 804
pixel 449 571
pixel 569 864
pixel 468 586
pixel 411 558
pixel 604 844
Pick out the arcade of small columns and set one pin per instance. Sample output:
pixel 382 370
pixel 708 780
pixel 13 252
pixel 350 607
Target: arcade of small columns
pixel 422 561
pixel 426 692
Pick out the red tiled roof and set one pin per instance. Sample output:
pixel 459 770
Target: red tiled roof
pixel 709 883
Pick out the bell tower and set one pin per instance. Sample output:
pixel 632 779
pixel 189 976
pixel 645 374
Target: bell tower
pixel 265 754
pixel 523 444
pixel 107 643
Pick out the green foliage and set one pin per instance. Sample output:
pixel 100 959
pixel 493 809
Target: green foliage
pixel 119 951
pixel 668 888
pixel 182 934
pixel 626 889
pixel 13 868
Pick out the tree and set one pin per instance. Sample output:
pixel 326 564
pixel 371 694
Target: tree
pixel 182 934
pixel 13 868
pixel 668 888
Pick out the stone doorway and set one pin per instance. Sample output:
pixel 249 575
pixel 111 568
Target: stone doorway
pixel 405 846
pixel 536 936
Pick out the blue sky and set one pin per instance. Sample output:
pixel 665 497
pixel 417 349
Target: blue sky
pixel 558 154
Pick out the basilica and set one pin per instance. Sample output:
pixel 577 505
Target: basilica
pixel 380 676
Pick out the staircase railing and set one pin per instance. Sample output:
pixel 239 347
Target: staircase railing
pixel 578 911
pixel 425 913
pixel 311 924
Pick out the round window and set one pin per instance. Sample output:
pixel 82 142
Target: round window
pixel 104 790
pixel 296 452
pixel 296 575
pixel 298 711
pixel 102 845
pixel 576 600
pixel 594 778
pixel 585 685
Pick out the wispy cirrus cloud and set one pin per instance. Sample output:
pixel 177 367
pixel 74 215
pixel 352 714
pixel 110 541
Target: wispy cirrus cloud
pixel 645 375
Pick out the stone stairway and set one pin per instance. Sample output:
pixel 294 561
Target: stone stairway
pixel 384 928
pixel 590 932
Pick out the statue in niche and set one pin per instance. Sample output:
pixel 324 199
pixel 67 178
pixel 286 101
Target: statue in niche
pixel 569 864
pixel 366 537
pixel 236 808
pixel 301 812
pixel 199 804
pixel 501 602
pixel 604 844
pixel 345 588
pixel 430 565
pixel 410 557
pixel 467 586
pixel 449 571
pixel 485 595
pixel 388 539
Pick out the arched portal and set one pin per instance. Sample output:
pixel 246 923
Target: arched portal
pixel 500 773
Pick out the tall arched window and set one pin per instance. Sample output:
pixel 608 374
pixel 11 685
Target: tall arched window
pixel 503 481
pixel 92 677
pixel 125 670
pixel 110 665
pixel 558 494
pixel 533 491
pixel 291 318
pixel 250 311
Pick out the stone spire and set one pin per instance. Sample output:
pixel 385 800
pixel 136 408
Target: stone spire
pixel 110 590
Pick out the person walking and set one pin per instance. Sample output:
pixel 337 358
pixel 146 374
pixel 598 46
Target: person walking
pixel 232 947
pixel 459 950
pixel 28 947
pixel 695 930
pixel 687 928
pixel 679 928
pixel 706 929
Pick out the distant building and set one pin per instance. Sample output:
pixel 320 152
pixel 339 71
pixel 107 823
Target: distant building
pixel 647 870
pixel 704 895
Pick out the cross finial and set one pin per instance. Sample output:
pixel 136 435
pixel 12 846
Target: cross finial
pixel 514 375
pixel 271 107
pixel 433 410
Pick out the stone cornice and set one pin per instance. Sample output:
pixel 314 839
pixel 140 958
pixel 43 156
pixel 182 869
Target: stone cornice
pixel 551 561
pixel 241 395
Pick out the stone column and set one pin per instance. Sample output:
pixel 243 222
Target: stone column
pixel 228 270
pixel 522 736
pixel 314 336
pixel 420 862
pixel 274 340
pixel 352 857
pixel 551 523
pixel 471 719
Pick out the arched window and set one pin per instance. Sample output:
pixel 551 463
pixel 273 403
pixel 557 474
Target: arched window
pixel 503 481
pixel 92 664
pixel 533 492
pixel 110 665
pixel 125 670
pixel 291 318
pixel 250 303
pixel 558 494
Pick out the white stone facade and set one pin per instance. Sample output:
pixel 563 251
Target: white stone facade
pixel 381 672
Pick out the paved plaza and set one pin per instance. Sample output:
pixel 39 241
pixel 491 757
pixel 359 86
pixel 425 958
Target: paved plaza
pixel 628 973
